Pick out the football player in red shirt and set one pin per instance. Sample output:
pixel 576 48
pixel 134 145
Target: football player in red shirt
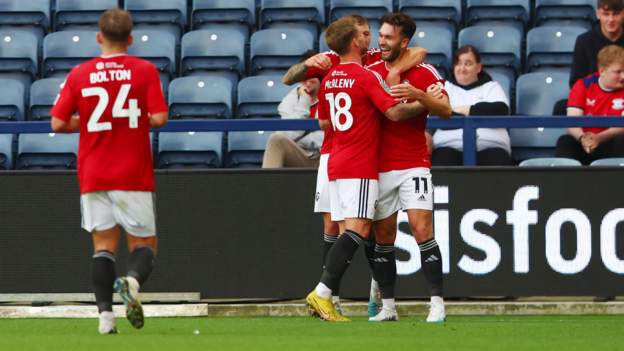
pixel 598 94
pixel 404 175
pixel 352 101
pixel 118 98
pixel 318 66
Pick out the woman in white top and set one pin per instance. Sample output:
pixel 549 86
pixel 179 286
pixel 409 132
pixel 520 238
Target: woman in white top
pixel 473 92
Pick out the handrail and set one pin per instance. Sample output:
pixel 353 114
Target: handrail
pixel 469 124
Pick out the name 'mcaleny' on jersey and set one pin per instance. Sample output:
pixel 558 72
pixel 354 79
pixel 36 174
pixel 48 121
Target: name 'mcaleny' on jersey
pixel 113 96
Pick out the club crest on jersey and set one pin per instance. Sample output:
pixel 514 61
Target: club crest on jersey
pixel 618 104
pixel 590 102
pixel 99 65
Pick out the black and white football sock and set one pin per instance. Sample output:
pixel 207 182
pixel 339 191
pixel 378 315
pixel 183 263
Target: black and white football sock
pixel 431 261
pixel 103 275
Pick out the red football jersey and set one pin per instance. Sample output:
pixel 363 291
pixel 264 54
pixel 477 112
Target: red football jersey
pixel 587 95
pixel 403 144
pixel 353 98
pixel 373 55
pixel 114 97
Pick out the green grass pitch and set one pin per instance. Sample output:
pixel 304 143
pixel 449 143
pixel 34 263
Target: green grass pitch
pixel 483 333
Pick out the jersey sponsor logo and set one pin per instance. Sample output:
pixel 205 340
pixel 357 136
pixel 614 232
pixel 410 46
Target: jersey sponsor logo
pixel 590 102
pixel 99 66
pixel 338 74
pixel 618 104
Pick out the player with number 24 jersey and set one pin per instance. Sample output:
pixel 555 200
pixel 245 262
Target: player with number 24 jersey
pixel 113 96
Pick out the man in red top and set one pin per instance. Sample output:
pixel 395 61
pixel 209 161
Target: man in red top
pixel 404 175
pixel 599 94
pixel 354 99
pixel 118 98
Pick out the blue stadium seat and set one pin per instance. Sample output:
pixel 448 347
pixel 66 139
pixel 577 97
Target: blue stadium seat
pixel 550 46
pixel 172 12
pixel 24 79
pixel 246 149
pixel 438 39
pixel 64 50
pixel 479 10
pixel 370 9
pixel 548 10
pixel 47 151
pixel 11 100
pixel 43 93
pixel 273 51
pixel 80 12
pixel 499 44
pixel 190 150
pixel 6 151
pixel 19 52
pixel 157 46
pixel 446 10
pixel 208 50
pixel 550 162
pixel 21 12
pixel 609 162
pixel 536 94
pixel 272 11
pixel 259 96
pixel 200 97
pixel 240 14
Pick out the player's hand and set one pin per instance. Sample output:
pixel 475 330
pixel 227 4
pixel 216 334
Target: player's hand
pixel 406 92
pixel 435 90
pixel 320 61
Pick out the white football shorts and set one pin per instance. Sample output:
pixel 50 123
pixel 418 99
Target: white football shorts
pixel 133 210
pixel 321 198
pixel 353 198
pixel 404 190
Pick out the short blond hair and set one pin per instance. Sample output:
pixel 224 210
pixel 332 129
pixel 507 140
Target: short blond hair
pixel 116 25
pixel 609 55
pixel 341 33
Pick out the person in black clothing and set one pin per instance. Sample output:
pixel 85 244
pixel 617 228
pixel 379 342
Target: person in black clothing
pixel 610 14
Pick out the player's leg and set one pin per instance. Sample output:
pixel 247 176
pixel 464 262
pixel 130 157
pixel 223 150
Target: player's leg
pixel 98 219
pixel 384 267
pixel 134 210
pixel 416 195
pixel 354 201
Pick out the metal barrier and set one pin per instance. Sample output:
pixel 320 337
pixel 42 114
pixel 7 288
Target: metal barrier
pixel 469 124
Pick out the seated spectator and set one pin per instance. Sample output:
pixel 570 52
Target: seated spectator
pixel 598 94
pixel 473 92
pixel 296 148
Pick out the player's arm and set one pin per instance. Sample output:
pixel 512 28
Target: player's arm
pixel 159 119
pixel 60 126
pixel 436 105
pixel 297 73
pixel 403 111
pixel 411 58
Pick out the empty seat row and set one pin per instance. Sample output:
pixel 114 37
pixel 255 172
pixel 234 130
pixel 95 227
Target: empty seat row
pixel 243 12
pixel 174 150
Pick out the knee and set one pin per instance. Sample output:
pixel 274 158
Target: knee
pixel 136 243
pixel 566 141
pixel 330 227
pixel 422 232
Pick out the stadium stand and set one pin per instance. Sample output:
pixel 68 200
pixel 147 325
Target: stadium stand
pixel 370 9
pixel 70 13
pixel 304 14
pixel 609 162
pixel 35 13
pixel 170 13
pixel 259 96
pixel 200 97
pixel 438 40
pixel 551 47
pixel 19 52
pixel 514 10
pixel 190 150
pixel 63 50
pixel 550 162
pixel 213 50
pixel 536 94
pixel 246 149
pixel 43 93
pixel 6 151
pixel 553 11
pixel 157 46
pixel 273 51
pixel 47 151
pixel 224 14
pixel 11 100
pixel 448 11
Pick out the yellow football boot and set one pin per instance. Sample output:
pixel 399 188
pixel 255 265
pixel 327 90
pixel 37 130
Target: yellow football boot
pixel 324 308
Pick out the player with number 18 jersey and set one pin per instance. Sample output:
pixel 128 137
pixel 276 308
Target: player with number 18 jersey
pixel 114 97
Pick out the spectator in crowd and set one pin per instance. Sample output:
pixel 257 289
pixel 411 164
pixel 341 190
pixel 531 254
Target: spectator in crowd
pixel 296 148
pixel 473 92
pixel 610 14
pixel 598 94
